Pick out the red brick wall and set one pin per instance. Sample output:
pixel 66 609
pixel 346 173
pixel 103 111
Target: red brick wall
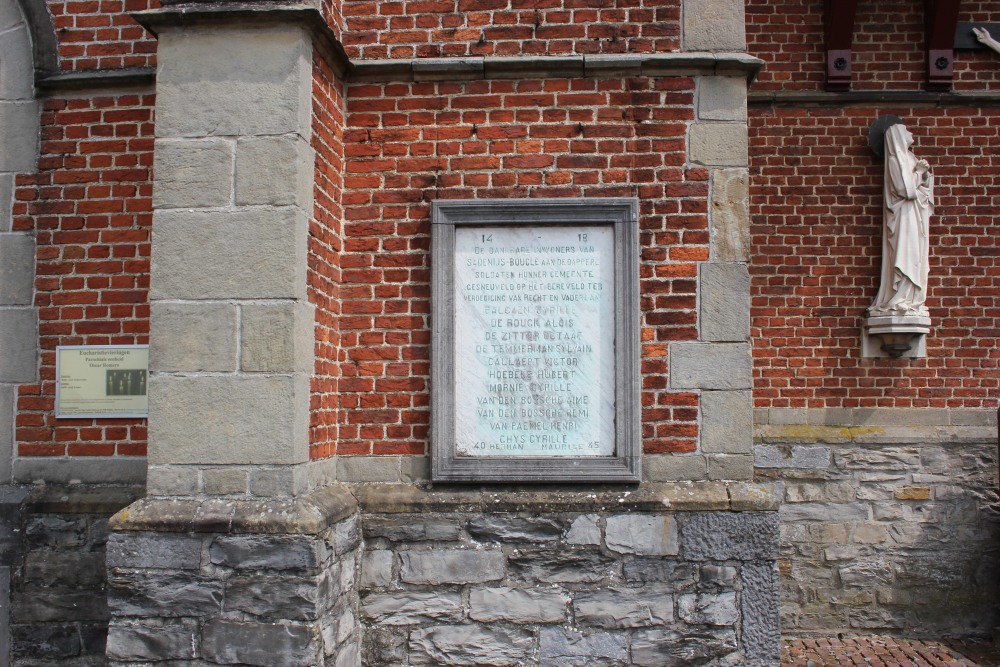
pixel 407 144
pixel 445 28
pixel 90 207
pixel 100 34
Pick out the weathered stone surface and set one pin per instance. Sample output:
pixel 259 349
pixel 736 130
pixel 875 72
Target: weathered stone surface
pixel 451 566
pixel 642 534
pixel 266 552
pixel 710 366
pixel 19 331
pixel 274 171
pixel 708 609
pixel 42 606
pixel 192 336
pixel 730 535
pixel 384 646
pixel 729 215
pixel 624 608
pixel 564 648
pixel 670 648
pixel 277 597
pixel 58 568
pixel 164 595
pixel 17 268
pixel 56 530
pixel 262 86
pixel 346 535
pixel 718 144
pixel 759 610
pixel 727 422
pixel 498 528
pixel 725 302
pixel 677 575
pixel 722 98
pixel 376 569
pixel 224 481
pixel 368 468
pixel 718 576
pixel 152 640
pixel 584 530
pixel 192 173
pixel 673 468
pixel 560 566
pixel 248 419
pixel 824 512
pixel 260 644
pixel 809 458
pixel 470 645
pixel 409 608
pixel 241 254
pixel 6 200
pixel 277 337
pixel 168 480
pixel 154 551
pixel 518 605
pixel 19 136
pixel 714 25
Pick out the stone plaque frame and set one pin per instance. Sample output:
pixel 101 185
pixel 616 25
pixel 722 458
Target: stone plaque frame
pixel 622 215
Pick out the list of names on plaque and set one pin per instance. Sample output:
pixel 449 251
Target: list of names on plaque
pixel 534 341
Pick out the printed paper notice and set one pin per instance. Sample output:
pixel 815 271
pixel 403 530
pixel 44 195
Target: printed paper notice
pixel 102 381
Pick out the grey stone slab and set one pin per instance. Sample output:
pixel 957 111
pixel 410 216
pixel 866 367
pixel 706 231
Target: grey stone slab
pixel 246 419
pixel 500 528
pixel 246 254
pixel 262 87
pixel 18 355
pixel 16 64
pixel 561 566
pixel 558 647
pixel 368 468
pixel 120 469
pixel 192 173
pixel 718 144
pixel 624 608
pixel 960 417
pixel 730 466
pixel 727 422
pixel 154 551
pixel 708 609
pixel 19 136
pixel 724 302
pixel 722 98
pixel 690 646
pixel 17 268
pixel 192 336
pixel 277 337
pixel 414 469
pixel 824 512
pixel 278 597
pixel 729 215
pixel 451 566
pixel 152 640
pixel 164 595
pixel 10 16
pixel 666 574
pixel 714 25
pixel 809 458
pixel 274 171
pixel 261 644
pixel 376 569
pixel 470 645
pixel 6 201
pixel 723 366
pixel 674 468
pixel 518 605
pixel 584 530
pixel 8 396
pixel 642 534
pixel 730 535
pixel 270 552
pixel 719 577
pixel 412 527
pixel 901 417
pixel 224 481
pixel 447 69
pixel 167 480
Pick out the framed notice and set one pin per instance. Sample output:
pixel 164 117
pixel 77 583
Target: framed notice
pixel 102 381
pixel 535 342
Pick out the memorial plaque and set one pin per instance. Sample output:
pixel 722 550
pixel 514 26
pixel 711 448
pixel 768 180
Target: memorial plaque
pixel 101 381
pixel 535 341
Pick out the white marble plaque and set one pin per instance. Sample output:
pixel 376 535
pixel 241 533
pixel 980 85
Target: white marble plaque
pixel 534 341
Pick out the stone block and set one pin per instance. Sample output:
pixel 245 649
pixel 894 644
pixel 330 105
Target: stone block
pixel 267 552
pixel 277 337
pixel 719 576
pixel 642 534
pixel 708 609
pixel 730 466
pixel 261 644
pixel 6 201
pixel 376 569
pixel 724 366
pixel 624 608
pixel 714 25
pixel 245 254
pixel 278 597
pixel 727 422
pixel 10 16
pixel 96 469
pixel 824 512
pixel 152 640
pixel 346 535
pixel 159 551
pixel 691 646
pixel 809 458
pixel 17 269
pixel 187 337
pixel 192 173
pixel 724 303
pixel 561 566
pixel 18 355
pixel 172 480
pixel 368 468
pixel 718 144
pixel 16 66
pixel 164 595
pixel 48 606
pixel 411 608
pixel 451 566
pixel 412 528
pixel 470 645
pixel 19 136
pixel 224 481
pixel 7 398
pixel 730 535
pixel 262 87
pixel 236 420
pixel 414 469
pixel 722 98
pixel 675 575
pixel 558 647
pixel 518 605
pixel 274 171
pixel 499 528
pixel 584 530
pixel 674 468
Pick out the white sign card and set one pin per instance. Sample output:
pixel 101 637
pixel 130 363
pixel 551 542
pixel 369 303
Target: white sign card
pixel 102 381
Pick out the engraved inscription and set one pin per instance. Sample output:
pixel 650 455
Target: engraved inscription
pixel 534 341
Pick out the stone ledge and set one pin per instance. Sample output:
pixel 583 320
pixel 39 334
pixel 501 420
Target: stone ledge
pixel 872 435
pixel 308 515
pixel 674 497
pixel 906 417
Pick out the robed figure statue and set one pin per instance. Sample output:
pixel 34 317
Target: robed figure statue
pixel 909 201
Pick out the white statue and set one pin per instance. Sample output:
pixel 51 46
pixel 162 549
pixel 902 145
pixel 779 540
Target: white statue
pixel 909 200
pixel 985 38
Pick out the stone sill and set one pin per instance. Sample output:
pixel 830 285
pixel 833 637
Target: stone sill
pixel 873 435
pixel 70 499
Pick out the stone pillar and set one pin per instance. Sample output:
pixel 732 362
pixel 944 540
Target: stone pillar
pixel 232 558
